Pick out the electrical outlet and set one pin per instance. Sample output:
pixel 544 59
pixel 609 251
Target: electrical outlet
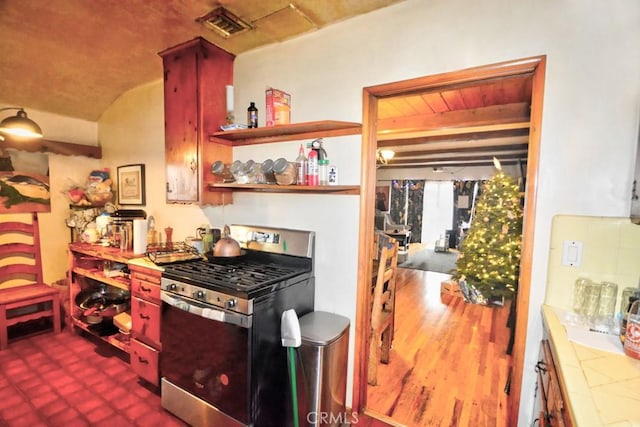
pixel 572 253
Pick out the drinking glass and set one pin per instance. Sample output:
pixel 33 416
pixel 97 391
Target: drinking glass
pixel 624 300
pixel 606 306
pixel 579 295
pixel 591 301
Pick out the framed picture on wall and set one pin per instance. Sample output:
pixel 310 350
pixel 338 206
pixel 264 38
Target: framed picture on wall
pixel 131 185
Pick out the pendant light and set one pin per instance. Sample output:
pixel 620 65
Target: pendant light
pixel 19 125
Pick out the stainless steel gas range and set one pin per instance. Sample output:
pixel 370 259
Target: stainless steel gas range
pixel 222 362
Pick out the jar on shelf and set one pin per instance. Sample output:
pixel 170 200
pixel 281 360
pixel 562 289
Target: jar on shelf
pixel 237 170
pixel 254 173
pixel 221 172
pixel 267 171
pixel 285 172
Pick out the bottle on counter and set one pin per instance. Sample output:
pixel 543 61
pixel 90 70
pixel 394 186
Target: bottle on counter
pixel 301 167
pixel 312 168
pixel 632 336
pixel 252 115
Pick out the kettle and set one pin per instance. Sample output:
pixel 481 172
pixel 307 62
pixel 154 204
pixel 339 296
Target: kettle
pixel 227 246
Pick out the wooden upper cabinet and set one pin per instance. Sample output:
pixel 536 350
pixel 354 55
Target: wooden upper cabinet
pixel 195 76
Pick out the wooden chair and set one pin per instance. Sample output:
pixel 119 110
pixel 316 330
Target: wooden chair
pixel 383 307
pixel 23 295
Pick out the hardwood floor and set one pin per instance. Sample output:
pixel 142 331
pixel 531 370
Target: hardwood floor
pixel 448 364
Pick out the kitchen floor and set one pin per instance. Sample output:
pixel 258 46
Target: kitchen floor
pixel 73 380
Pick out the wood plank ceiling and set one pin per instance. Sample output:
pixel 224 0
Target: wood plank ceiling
pixel 460 126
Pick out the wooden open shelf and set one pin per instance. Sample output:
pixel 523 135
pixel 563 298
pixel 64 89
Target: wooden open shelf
pixel 291 132
pixel 271 188
pixel 111 339
pixel 118 282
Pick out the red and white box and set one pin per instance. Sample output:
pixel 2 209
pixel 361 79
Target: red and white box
pixel 278 110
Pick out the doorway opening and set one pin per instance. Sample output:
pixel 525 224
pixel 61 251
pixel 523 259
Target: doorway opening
pixel 528 129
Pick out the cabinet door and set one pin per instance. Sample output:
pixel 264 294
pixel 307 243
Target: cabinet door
pixel 145 321
pixel 144 361
pixel 145 287
pixel 195 76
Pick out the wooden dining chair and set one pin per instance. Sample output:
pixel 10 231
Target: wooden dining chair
pixel 23 294
pixel 383 307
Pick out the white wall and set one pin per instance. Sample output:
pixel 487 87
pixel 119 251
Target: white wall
pixel 589 130
pixel 591 106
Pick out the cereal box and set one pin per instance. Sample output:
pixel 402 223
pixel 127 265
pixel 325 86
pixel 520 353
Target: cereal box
pixel 278 110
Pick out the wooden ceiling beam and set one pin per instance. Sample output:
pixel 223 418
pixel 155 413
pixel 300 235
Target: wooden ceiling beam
pixel 459 138
pixel 382 136
pixel 495 114
pixel 462 149
pixel 55 147
pixel 452 164
pixel 464 145
pixel 458 157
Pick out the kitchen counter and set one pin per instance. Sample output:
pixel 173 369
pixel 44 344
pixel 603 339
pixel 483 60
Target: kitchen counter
pixel 601 388
pixel 145 262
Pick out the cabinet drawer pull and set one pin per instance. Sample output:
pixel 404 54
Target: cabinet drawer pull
pixel 144 316
pixel 143 360
pixel 143 289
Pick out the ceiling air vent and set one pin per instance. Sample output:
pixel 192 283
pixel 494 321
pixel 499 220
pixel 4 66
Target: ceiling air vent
pixel 223 22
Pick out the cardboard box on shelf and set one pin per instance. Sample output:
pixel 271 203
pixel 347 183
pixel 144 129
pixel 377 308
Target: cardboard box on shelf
pixel 278 110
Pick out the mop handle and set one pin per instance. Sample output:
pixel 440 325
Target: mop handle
pixel 294 391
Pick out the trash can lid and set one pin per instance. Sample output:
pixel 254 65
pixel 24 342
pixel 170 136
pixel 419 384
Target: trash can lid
pixel 322 328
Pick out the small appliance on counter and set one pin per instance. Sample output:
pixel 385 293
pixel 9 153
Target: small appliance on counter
pixel 128 226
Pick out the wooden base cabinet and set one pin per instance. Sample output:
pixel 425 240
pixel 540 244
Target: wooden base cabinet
pixel 145 322
pixel 196 74
pixel 551 401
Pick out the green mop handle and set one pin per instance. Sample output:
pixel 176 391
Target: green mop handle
pixel 294 391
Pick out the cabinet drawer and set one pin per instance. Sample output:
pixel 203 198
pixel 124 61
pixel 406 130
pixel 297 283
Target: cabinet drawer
pixel 145 321
pixel 144 361
pixel 145 289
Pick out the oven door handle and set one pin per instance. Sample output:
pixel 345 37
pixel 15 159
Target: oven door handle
pixel 206 311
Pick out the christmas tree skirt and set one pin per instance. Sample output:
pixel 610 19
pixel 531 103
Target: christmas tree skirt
pixel 429 260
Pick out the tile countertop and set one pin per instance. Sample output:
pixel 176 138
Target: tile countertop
pixel 602 388
pixel 146 263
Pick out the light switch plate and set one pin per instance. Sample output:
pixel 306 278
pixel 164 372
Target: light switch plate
pixel 572 253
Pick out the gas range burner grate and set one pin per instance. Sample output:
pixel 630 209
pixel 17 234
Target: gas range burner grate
pixel 243 275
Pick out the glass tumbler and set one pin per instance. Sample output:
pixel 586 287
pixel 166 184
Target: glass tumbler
pixel 579 295
pixel 591 301
pixel 624 300
pixel 607 303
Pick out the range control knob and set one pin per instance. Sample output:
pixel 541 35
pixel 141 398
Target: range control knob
pixel 200 295
pixel 230 303
pixel 172 287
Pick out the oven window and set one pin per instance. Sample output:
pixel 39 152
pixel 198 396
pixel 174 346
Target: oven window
pixel 207 358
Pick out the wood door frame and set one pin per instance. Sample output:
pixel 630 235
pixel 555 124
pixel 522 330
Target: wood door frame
pixel 536 66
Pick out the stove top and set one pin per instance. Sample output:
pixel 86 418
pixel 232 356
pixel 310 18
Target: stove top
pixel 252 272
pixel 272 258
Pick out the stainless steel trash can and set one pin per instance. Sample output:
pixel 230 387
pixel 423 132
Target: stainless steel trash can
pixel 322 367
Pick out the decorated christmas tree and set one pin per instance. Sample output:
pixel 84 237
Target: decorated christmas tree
pixel 488 265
